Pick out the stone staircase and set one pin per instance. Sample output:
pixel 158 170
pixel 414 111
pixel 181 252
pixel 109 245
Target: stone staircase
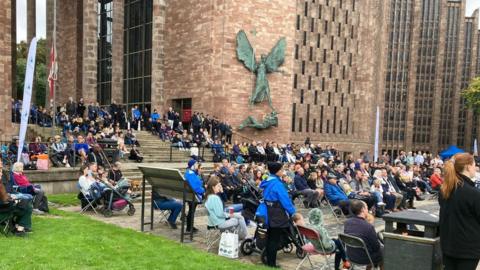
pixel 155 150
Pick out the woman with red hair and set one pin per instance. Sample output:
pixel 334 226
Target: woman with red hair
pixel 460 214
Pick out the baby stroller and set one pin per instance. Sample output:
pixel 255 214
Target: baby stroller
pixel 118 199
pixel 259 240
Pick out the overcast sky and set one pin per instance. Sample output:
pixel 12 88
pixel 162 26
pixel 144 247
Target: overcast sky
pixel 41 16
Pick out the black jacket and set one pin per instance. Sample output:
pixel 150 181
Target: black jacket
pixel 359 227
pixel 460 221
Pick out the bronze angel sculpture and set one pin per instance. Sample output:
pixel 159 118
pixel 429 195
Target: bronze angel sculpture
pixel 267 64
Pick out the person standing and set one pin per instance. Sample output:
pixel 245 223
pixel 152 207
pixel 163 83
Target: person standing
pixel 278 210
pixel 192 176
pixel 460 214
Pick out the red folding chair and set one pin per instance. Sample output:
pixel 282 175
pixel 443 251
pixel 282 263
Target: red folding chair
pixel 309 249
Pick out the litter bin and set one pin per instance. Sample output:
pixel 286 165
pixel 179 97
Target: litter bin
pixel 407 246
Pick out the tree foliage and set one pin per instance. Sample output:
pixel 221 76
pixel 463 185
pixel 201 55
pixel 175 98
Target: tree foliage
pixel 472 94
pixel 41 72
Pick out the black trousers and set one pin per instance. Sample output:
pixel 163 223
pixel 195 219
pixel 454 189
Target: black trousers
pixel 452 263
pixel 192 206
pixel 274 237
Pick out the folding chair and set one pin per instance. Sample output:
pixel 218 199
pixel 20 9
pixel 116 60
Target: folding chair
pixel 6 224
pixel 354 242
pixel 310 234
pixel 90 202
pixel 163 213
pixel 213 235
pixel 336 211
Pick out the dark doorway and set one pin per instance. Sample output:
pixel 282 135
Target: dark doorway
pixel 184 108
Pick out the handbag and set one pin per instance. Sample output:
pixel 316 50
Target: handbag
pixel 42 164
pixel 228 246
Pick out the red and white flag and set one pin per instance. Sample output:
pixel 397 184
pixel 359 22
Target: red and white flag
pixel 52 76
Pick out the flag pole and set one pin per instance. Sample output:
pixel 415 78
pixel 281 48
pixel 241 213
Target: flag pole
pixel 54 42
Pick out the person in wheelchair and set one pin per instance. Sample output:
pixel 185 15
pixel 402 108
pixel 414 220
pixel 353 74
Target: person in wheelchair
pixel 40 202
pixel 19 209
pixel 217 217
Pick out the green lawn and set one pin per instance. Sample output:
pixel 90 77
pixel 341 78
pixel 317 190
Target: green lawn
pixel 64 240
pixel 65 199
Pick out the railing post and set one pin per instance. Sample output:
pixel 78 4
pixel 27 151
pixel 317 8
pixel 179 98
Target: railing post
pixel 171 149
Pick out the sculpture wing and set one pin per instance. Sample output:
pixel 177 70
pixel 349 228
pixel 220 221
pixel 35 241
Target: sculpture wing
pixel 276 57
pixel 245 51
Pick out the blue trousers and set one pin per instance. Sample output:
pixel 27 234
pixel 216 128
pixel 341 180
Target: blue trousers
pixel 174 206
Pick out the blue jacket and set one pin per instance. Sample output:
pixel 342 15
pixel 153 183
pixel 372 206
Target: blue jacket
pixel 273 191
pixel 195 183
pixel 137 114
pixel 155 116
pixel 300 182
pixel 334 193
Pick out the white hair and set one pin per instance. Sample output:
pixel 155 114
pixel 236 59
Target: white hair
pixel 17 167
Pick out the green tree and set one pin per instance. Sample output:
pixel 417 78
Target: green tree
pixel 472 94
pixel 41 70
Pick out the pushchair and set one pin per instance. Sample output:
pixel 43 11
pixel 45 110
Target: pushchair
pixel 118 199
pixel 257 244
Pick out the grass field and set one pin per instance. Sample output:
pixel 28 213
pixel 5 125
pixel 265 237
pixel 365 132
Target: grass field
pixel 65 199
pixel 64 240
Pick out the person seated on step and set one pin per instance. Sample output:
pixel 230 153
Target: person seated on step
pixel 36 148
pixel 60 155
pixel 135 154
pixel 40 202
pixel 82 148
pixel 166 203
pixel 95 155
pixel 217 217
pixel 327 244
pixel 311 196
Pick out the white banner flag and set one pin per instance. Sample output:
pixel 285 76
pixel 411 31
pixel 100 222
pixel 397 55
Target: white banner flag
pixel 377 130
pixel 27 95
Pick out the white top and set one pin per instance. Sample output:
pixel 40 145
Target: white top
pixel 85 183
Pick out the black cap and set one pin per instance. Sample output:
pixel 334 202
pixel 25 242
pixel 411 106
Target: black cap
pixel 274 167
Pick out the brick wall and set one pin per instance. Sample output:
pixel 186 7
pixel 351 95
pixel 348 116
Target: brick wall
pixel 117 51
pixel 6 130
pixel 67 46
pixel 200 58
pixel 158 54
pixel 89 54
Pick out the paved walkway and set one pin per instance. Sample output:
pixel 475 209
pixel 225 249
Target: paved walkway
pixel 286 261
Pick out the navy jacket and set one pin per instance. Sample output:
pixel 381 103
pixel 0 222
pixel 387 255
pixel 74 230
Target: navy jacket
pixel 359 227
pixel 300 182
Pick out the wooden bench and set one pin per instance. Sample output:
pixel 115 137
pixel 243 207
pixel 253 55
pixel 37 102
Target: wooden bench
pixel 170 183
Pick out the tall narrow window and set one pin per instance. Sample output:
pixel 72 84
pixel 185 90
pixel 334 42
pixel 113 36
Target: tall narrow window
pixel 294 115
pixel 307 123
pixel 315 100
pixel 320 128
pixel 137 74
pixel 334 126
pixel 104 49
